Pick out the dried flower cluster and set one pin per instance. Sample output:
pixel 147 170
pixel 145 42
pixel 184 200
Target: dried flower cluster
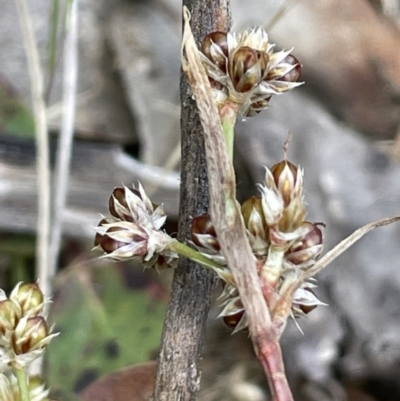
pixel 243 68
pixel 24 335
pixel 283 244
pixel 134 230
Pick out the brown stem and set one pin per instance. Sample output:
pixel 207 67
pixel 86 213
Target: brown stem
pixel 178 375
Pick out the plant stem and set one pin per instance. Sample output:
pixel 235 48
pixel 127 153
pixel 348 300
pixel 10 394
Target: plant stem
pixel 270 356
pixel 178 374
pixel 64 151
pixel 195 256
pixel 22 378
pixel 228 113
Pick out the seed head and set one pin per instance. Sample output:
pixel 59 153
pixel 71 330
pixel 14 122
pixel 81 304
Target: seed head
pixel 285 176
pixel 133 231
pixel 29 296
pixel 282 197
pixel 245 69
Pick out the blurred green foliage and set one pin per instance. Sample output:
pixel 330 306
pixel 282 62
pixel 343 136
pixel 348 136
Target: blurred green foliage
pixel 104 326
pixel 15 116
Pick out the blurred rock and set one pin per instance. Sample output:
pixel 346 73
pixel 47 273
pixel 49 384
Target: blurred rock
pixel 147 45
pixel 134 383
pixel 349 54
pixel 102 111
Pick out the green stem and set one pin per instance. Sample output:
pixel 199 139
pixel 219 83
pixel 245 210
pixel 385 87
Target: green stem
pixel 22 378
pixel 184 250
pixel 228 113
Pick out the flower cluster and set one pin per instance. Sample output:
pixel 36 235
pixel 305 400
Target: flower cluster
pixel 24 335
pixel 283 243
pixel 243 68
pixel 134 230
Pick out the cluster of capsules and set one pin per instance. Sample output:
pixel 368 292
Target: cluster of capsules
pixel 282 241
pixel 245 69
pixel 24 336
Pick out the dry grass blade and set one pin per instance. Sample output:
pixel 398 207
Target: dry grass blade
pixel 345 244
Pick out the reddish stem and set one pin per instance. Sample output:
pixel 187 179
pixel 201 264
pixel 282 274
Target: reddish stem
pixel 270 356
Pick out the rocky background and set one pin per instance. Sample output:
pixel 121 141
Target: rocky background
pixel 345 123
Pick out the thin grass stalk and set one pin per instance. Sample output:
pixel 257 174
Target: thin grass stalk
pixel 54 18
pixel 42 144
pixel 64 151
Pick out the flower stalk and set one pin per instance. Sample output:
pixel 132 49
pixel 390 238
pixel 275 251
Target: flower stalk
pixel 190 253
pixel 22 378
pixel 228 113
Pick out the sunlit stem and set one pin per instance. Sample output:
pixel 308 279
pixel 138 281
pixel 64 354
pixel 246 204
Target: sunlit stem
pixel 22 378
pixel 190 253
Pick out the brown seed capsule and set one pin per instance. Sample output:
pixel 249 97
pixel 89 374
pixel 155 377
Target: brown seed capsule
pixel 307 308
pixel 254 218
pixel 29 296
pixel 233 320
pixel 109 244
pixel 285 177
pixel 247 207
pixel 215 48
pixel 293 75
pixel 308 247
pixel 203 225
pixel 9 315
pixel 28 334
pixel 98 237
pixel 203 233
pixel 311 238
pixel 119 195
pixel 258 107
pixel 247 68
